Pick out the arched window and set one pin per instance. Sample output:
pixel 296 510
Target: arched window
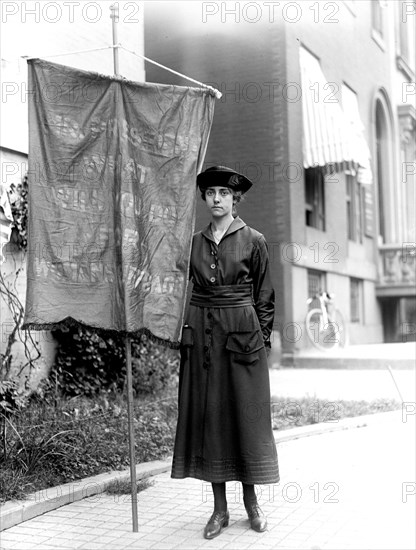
pixel 384 173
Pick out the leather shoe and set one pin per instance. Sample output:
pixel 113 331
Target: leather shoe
pixel 216 522
pixel 258 521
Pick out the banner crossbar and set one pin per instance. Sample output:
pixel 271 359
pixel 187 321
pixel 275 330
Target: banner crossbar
pixel 217 93
pixel 28 58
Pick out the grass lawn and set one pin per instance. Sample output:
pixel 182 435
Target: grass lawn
pixel 53 442
pixel 290 413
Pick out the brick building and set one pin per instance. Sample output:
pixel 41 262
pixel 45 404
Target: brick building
pixel 333 219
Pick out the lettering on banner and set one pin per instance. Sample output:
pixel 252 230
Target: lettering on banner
pixel 159 284
pixel 146 138
pixel 75 272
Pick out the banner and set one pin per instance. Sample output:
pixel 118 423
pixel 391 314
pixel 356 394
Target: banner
pixel 112 190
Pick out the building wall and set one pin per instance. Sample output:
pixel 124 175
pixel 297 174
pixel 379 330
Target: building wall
pixel 348 54
pixel 13 166
pixel 250 128
pixel 267 133
pixel 39 29
pixel 40 345
pixel 403 100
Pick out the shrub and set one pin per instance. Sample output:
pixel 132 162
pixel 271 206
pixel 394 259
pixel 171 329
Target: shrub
pixel 89 361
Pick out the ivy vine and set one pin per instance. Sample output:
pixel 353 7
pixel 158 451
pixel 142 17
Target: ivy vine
pixel 18 195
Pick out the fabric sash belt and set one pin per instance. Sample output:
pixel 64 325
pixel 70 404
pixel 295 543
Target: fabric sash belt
pixel 222 296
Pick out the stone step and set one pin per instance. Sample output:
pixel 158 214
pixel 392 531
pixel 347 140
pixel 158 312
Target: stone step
pixel 371 356
pixel 328 362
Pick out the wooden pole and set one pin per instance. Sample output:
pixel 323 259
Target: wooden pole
pixel 130 412
pixel 114 17
pixel 130 402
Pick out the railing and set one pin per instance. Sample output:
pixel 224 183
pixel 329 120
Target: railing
pixel 397 266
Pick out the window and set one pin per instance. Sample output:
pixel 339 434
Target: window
pixel 314 198
pixel 316 283
pixel 377 16
pixel 350 212
pixel 403 31
pixel 406 39
pixel 408 319
pixel 354 207
pixel 383 155
pixel 356 309
pixel 407 140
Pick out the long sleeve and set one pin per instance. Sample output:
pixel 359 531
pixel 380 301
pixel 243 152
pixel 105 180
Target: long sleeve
pixel 262 287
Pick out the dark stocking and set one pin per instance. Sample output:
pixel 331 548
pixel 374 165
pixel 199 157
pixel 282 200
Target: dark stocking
pixel 220 500
pixel 249 495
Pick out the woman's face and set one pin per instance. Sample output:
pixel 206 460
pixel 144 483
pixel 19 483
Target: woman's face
pixel 220 201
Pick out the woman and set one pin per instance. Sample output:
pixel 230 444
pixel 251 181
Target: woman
pixel 224 424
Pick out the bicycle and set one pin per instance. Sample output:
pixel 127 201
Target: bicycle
pixel 325 324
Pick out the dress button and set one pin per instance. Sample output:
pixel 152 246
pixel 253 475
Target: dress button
pixel 206 348
pixel 205 365
pixel 247 348
pixel 209 315
pixel 213 266
pixel 212 279
pixel 207 331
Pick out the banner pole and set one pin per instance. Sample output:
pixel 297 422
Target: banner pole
pixel 114 18
pixel 130 412
pixel 130 403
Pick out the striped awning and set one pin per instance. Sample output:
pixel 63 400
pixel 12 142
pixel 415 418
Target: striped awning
pixel 332 137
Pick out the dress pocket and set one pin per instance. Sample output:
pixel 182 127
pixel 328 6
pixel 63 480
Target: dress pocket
pixel 245 346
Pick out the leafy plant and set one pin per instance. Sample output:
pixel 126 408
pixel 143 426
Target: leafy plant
pixel 11 398
pixel 89 361
pixel 18 195
pixel 31 455
pixel 11 402
pixel 57 441
pixel 9 293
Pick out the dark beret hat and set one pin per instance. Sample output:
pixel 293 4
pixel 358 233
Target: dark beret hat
pixel 224 177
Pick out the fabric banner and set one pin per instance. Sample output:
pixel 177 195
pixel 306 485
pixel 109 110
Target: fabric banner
pixel 112 190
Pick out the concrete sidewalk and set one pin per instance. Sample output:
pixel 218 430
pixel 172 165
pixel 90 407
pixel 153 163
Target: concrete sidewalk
pixel 350 489
pixel 348 384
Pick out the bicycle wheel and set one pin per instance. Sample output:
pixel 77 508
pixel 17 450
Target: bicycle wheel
pixel 323 336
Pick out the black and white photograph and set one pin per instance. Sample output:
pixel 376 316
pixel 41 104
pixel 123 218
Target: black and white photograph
pixel 208 275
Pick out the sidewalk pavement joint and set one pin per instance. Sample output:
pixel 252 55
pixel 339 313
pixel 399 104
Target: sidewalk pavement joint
pixel 15 512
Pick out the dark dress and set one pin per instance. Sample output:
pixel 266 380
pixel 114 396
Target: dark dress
pixel 224 428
